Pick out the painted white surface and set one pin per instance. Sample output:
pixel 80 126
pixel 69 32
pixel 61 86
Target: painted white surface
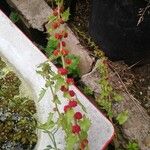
pixel 25 57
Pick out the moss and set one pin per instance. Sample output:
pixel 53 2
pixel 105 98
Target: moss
pixel 9 85
pixel 17 123
pixel 2 64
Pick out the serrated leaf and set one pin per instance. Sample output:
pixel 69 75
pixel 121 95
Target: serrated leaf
pixel 49 83
pixel 58 2
pixel 132 146
pixel 42 93
pixel 51 45
pixel 48 147
pixel 83 135
pixel 66 95
pixel 49 124
pixel 118 98
pixel 56 76
pixel 40 72
pixel 62 122
pixel 60 81
pixel 65 15
pixel 122 117
pixel 14 16
pixel 85 124
pixel 69 115
pixel 52 18
pixel 71 140
pixel 73 68
pixel 56 100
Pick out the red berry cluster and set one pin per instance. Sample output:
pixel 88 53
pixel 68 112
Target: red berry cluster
pixel 77 115
pixel 83 144
pixel 62 52
pixel 60 35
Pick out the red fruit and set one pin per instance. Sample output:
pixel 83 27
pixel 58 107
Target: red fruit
pixel 61 21
pixel 70 80
pixel 63 43
pixel 71 93
pixel 58 36
pixel 85 141
pixel 105 62
pixel 76 129
pixel 55 25
pixel 56 52
pixel 58 45
pixel 62 71
pixel 55 12
pixel 68 61
pixel 66 108
pixel 65 34
pixel 78 116
pixel 63 88
pixel 64 52
pixel 73 103
pixel 61 9
pixel 83 144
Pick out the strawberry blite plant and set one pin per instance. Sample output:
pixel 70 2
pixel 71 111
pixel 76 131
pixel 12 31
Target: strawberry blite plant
pixel 72 119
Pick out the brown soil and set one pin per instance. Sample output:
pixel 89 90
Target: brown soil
pixel 137 77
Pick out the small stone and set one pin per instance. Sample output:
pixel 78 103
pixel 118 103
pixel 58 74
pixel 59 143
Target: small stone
pixel 16 117
pixel 3 117
pixel 141 93
pixel 35 12
pixel 147 141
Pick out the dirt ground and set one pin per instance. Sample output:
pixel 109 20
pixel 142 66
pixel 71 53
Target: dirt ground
pixel 138 76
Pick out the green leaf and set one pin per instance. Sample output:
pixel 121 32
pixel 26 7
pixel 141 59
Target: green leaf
pixel 122 117
pixel 118 97
pixel 132 146
pixel 56 100
pixel 52 18
pixel 69 115
pixel 49 124
pixel 60 81
pixel 85 124
pixel 71 140
pixel 65 15
pixel 42 93
pixel 74 67
pixel 83 135
pixel 87 90
pixel 51 45
pixel 49 83
pixel 62 122
pixel 48 147
pixel 58 2
pixel 66 95
pixel 14 16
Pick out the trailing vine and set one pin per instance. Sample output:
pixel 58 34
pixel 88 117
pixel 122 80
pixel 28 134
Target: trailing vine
pixel 107 95
pixel 72 119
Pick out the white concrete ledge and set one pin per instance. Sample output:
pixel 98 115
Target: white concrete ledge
pixel 25 57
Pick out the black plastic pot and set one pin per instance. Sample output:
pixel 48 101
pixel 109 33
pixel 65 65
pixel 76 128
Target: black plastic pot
pixel 113 25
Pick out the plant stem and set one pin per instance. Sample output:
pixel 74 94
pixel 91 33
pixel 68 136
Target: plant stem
pixel 51 136
pixel 62 57
pixel 54 102
pixel 54 141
